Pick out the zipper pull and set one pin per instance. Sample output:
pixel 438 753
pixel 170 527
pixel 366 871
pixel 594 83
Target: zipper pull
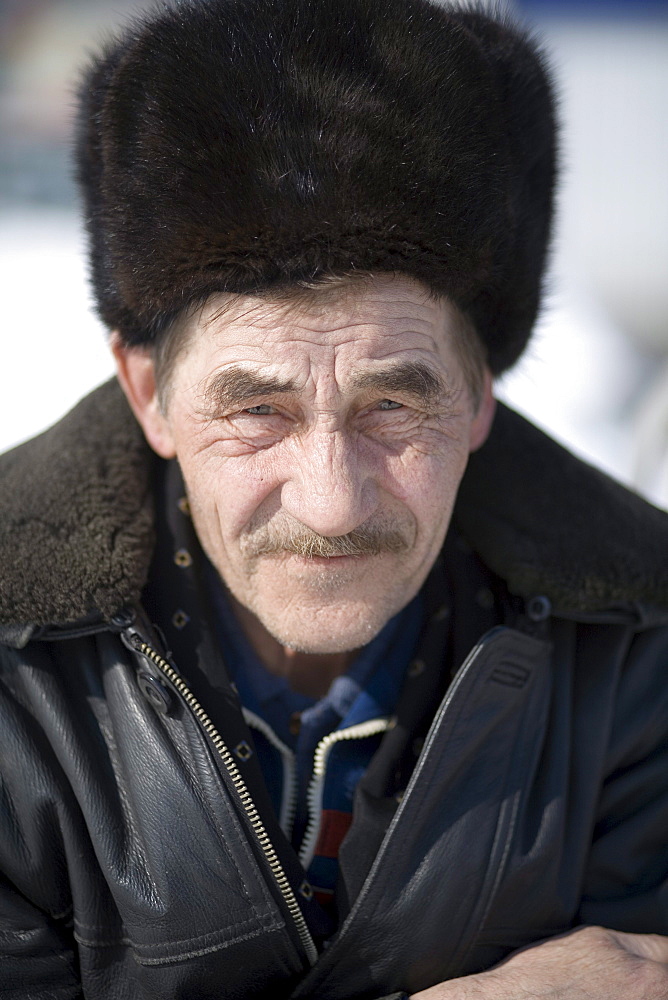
pixel 155 692
pixel 123 622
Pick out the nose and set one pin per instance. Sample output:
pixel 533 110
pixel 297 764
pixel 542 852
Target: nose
pixel 329 489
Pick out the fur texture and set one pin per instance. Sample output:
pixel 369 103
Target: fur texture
pixel 547 523
pixel 76 512
pixel 76 521
pixel 241 145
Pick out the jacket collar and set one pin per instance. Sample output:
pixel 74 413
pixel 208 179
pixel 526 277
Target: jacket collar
pixel 76 515
pixel 76 520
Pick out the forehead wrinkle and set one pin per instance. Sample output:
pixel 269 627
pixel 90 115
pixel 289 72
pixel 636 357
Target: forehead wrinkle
pixel 414 377
pixel 298 320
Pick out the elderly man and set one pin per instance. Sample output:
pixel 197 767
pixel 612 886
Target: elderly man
pixel 299 701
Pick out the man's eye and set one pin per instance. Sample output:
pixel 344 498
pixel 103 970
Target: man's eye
pixel 261 410
pixel 389 404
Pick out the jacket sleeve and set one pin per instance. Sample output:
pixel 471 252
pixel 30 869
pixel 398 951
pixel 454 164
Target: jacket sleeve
pixel 626 882
pixel 37 956
pixel 38 953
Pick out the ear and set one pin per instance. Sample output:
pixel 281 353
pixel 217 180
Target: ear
pixel 482 420
pixel 136 373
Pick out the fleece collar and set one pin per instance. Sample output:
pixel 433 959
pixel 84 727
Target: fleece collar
pixel 76 520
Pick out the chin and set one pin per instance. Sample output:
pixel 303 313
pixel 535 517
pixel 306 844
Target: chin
pixel 329 630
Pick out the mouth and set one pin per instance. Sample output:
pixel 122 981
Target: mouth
pixel 321 561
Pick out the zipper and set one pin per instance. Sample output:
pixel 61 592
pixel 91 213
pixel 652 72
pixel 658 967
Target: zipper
pixel 318 980
pixel 134 641
pixel 329 957
pixel 315 789
pixel 289 796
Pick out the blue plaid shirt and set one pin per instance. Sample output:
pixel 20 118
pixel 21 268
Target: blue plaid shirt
pixel 368 690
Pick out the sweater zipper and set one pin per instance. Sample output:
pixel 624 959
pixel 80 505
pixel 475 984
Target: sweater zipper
pixel 315 789
pixel 362 730
pixel 329 957
pixel 137 643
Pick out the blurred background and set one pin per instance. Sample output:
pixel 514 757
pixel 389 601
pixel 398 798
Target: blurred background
pixel 596 373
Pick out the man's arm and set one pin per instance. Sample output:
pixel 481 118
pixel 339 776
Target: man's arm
pixel 626 881
pixel 589 963
pixel 37 957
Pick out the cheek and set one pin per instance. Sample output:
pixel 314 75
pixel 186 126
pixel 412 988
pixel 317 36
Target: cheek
pixel 225 492
pixel 426 481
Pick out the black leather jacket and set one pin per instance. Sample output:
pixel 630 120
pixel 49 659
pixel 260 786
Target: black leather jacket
pixel 133 862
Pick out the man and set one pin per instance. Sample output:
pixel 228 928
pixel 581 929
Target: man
pixel 297 699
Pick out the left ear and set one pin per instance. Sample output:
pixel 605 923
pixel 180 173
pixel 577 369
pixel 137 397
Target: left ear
pixel 482 420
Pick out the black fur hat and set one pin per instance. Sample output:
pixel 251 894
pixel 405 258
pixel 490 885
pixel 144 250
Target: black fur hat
pixel 239 145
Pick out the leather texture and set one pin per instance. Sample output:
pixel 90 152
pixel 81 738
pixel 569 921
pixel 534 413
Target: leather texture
pixel 128 870
pixel 126 865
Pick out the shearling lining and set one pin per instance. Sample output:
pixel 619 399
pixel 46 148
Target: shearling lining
pixel 76 515
pixel 550 524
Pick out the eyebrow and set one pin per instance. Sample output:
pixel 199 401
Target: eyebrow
pixel 236 385
pixel 414 378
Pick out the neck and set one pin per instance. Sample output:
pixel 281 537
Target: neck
pixel 309 674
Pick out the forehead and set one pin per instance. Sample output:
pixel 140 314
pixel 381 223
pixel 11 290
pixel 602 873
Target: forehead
pixel 372 319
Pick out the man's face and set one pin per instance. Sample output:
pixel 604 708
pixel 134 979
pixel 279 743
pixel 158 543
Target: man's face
pixel 322 444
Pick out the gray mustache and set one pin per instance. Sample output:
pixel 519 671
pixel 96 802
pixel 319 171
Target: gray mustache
pixel 301 541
